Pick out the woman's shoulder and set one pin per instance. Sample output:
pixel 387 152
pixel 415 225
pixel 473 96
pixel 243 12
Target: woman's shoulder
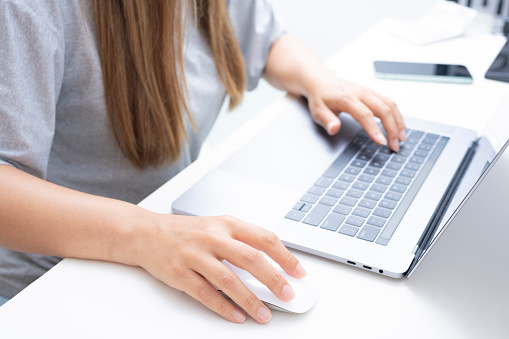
pixel 45 14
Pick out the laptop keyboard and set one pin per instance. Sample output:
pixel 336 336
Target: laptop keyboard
pixel 368 188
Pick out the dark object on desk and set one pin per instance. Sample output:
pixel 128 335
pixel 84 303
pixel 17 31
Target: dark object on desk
pixel 422 72
pixel 499 69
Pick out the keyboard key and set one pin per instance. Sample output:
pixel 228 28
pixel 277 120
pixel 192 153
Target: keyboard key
pixel 348 230
pixel 368 233
pixel 363 157
pixel 393 196
pixel 298 205
pixel 383 180
pixel 367 203
pixel 379 188
pixel 425 147
pixel 408 173
pixel 412 166
pixel 354 193
pixel 347 177
pixel 353 170
pixel 329 201
pixel 371 171
pixel 386 203
pixel 376 164
pixel 316 215
pixel 398 188
pixel 421 153
pixel 342 185
pixel 394 166
pixel 342 209
pixel 359 163
pixel 349 201
pixel 333 192
pixel 310 198
pixel 382 212
pixel 373 195
pixel 366 178
pixel 324 182
pixel 376 221
pixel 361 212
pixel 360 185
pixel 399 159
pixel 294 215
pixel 317 190
pixel 355 221
pixel 332 222
pixel 416 159
pixel 389 173
pixel 403 181
pixel 306 208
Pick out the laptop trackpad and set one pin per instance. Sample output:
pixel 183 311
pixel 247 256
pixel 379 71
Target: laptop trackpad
pixel 285 153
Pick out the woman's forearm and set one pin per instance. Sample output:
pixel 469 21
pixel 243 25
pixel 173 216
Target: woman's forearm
pixel 291 66
pixel 40 217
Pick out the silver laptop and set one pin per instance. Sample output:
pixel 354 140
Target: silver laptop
pixel 344 197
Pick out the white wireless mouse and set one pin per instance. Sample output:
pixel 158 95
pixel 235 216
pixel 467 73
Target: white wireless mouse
pixel 305 290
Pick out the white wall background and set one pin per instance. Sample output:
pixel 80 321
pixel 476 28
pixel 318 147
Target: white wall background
pixel 326 26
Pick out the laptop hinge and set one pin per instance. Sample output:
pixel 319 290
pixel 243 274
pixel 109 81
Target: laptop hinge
pixel 433 224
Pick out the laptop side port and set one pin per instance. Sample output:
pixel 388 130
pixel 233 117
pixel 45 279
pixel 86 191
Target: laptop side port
pixel 350 262
pixel 366 267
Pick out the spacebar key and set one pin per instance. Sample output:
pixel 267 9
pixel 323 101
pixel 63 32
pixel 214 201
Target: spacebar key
pixel 341 161
pixel 316 215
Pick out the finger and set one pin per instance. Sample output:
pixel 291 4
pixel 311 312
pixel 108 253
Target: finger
pixel 200 289
pixel 230 284
pixel 366 118
pixel 386 115
pixel 324 117
pixel 400 123
pixel 253 261
pixel 267 242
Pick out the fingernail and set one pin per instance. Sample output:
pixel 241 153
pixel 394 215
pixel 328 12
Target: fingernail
pixel 380 138
pixel 330 127
pixel 238 316
pixel 263 314
pixel 402 135
pixel 287 293
pixel 395 145
pixel 301 272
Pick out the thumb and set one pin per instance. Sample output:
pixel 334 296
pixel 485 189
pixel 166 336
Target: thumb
pixel 324 117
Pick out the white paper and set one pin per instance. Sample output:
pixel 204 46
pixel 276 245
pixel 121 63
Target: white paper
pixel 444 20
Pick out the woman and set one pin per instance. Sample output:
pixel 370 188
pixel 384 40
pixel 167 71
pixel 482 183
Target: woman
pixel 102 101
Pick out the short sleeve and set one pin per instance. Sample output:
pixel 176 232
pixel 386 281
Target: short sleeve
pixel 31 71
pixel 257 28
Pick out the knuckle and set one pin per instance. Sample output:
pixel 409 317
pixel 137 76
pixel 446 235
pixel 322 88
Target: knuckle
pixel 228 220
pixel 250 303
pixel 178 271
pixel 290 258
pixel 223 307
pixel 226 278
pixel 270 238
pixel 206 294
pixel 276 279
pixel 251 255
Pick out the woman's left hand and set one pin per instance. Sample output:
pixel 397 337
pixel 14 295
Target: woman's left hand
pixel 330 95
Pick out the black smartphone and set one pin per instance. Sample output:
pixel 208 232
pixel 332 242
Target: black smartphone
pixel 499 69
pixel 417 71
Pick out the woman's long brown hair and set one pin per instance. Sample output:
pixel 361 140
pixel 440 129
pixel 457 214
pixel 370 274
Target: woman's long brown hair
pixel 141 49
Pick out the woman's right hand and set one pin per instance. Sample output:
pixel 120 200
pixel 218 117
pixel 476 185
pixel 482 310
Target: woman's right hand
pixel 187 253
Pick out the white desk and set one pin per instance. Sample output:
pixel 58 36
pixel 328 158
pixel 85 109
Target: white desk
pixel 83 299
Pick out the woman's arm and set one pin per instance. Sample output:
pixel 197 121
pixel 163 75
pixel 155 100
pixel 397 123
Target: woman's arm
pixel 292 67
pixel 184 252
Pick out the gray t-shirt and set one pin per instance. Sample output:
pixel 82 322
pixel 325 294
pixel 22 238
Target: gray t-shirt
pixel 53 119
